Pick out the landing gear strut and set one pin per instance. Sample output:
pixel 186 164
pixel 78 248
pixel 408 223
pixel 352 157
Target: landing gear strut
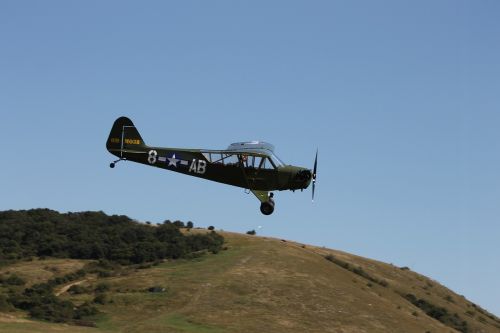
pixel 113 164
pixel 267 207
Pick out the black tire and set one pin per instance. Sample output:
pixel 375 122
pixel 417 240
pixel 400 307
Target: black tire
pixel 267 208
pixel 111 165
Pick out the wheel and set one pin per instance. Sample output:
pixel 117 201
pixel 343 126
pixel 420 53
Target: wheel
pixel 267 208
pixel 112 165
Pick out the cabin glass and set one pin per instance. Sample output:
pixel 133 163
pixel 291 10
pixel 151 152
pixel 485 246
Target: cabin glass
pixel 230 159
pixel 267 164
pixel 277 162
pixel 216 158
pixel 256 160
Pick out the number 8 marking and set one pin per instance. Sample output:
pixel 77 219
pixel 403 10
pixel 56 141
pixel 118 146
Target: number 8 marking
pixel 152 156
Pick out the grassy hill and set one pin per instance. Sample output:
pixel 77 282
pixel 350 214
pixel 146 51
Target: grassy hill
pixel 256 284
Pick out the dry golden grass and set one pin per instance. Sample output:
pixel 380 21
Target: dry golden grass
pixel 37 271
pixel 268 285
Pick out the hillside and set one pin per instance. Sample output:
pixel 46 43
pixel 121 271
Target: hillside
pixel 255 284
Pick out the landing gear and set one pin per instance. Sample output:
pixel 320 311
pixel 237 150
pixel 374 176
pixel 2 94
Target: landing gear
pixel 267 207
pixel 113 164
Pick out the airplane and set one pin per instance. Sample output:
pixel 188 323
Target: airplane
pixel 250 165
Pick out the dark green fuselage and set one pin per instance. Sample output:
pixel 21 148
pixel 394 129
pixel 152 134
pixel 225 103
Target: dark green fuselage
pixel 255 170
pixel 193 162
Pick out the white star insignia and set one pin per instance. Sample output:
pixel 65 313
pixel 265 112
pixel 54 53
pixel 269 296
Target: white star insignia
pixel 173 161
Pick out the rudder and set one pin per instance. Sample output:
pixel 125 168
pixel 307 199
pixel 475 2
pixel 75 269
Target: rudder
pixel 123 135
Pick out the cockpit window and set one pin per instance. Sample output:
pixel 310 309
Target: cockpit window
pixel 265 163
pixel 230 159
pixel 277 162
pixel 249 160
pixel 222 158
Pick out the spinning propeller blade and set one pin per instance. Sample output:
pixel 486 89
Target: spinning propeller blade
pixel 314 174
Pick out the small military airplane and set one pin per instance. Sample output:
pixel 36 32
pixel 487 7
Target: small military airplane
pixel 250 165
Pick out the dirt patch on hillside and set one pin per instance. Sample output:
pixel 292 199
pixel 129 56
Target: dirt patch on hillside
pixel 10 318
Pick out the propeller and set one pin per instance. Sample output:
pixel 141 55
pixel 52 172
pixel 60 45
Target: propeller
pixel 314 174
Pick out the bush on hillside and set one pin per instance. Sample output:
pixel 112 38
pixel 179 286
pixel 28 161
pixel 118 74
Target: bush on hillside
pixel 101 298
pixel 12 280
pixel 41 303
pixel 5 305
pixel 111 241
pixel 356 270
pixel 95 235
pixel 440 313
pixel 102 287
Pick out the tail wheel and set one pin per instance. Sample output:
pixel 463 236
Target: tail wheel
pixel 267 207
pixel 113 164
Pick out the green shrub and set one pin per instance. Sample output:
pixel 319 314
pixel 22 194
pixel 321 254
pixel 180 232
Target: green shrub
pixel 101 298
pixel 5 305
pixel 448 298
pixel 105 274
pixel 41 303
pixel 356 270
pixel 85 310
pixel 179 224
pixel 14 280
pixel 93 235
pixel 439 313
pixel 337 261
pixel 157 289
pixel 102 287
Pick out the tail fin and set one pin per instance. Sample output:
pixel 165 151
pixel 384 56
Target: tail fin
pixel 123 135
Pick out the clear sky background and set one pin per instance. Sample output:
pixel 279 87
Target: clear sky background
pixel 402 98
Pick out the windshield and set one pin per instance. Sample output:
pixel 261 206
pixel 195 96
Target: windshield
pixel 277 162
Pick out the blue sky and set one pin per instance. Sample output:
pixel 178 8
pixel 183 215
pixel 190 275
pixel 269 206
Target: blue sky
pixel 400 97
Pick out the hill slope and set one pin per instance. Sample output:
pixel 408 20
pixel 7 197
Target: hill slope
pixel 264 285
